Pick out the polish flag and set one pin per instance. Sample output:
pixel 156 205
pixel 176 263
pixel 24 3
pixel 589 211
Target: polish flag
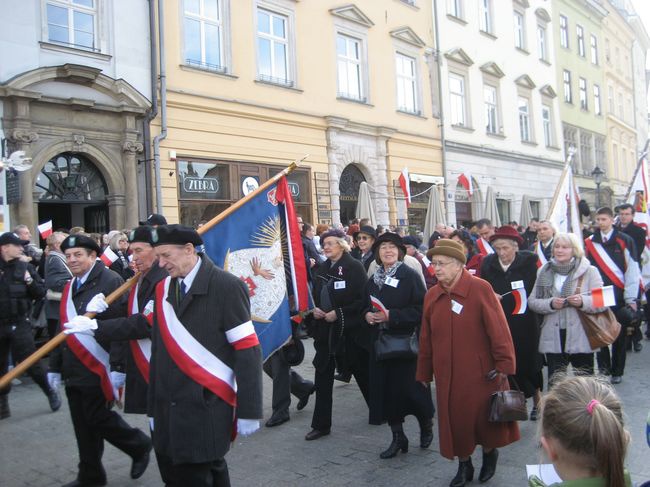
pixel 603 296
pixel 379 305
pixel 45 229
pixel 521 301
pixel 465 181
pixel 427 263
pixel 108 256
pixel 484 247
pixel 404 180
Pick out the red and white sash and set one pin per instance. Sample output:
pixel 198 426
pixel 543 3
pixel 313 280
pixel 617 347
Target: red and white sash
pixel 90 353
pixel 605 263
pixel 542 260
pixel 196 361
pixel 484 247
pixel 141 349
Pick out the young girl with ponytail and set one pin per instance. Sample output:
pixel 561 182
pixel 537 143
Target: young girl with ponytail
pixel 583 435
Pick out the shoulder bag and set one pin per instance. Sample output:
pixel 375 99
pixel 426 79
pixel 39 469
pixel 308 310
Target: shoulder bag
pixel 506 406
pixel 391 346
pixel 601 328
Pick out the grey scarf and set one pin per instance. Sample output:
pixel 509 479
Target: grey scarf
pixel 546 278
pixel 382 274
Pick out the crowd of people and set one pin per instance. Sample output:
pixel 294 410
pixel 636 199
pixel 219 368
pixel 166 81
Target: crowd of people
pixel 396 312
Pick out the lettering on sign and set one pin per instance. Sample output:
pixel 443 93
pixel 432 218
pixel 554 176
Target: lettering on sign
pixel 200 185
pixel 294 188
pixel 249 184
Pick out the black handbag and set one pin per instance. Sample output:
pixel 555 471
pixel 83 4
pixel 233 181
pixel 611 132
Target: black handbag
pixel 506 406
pixel 391 346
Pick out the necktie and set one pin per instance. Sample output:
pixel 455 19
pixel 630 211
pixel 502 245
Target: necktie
pixel 183 289
pixel 77 284
pixel 604 239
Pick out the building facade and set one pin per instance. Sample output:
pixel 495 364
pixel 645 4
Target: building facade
pixel 74 90
pixel 250 88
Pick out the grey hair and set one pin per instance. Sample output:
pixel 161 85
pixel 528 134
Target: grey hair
pixel 509 240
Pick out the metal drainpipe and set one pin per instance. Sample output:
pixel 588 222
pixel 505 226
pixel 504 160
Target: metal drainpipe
pixel 153 112
pixel 163 107
pixel 443 150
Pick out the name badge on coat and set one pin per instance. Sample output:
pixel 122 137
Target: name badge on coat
pixel 456 307
pixel 339 284
pixel 517 284
pixel 392 282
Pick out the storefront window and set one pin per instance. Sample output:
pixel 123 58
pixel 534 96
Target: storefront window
pixel 203 181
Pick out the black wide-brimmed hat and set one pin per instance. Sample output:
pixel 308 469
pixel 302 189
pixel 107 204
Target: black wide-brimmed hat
pixel 83 241
pixel 175 235
pixel 368 230
pixel 388 237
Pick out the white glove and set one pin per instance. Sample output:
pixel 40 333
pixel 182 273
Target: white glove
pixel 80 324
pixel 150 423
pixel 118 379
pixel 97 304
pixel 54 380
pixel 247 427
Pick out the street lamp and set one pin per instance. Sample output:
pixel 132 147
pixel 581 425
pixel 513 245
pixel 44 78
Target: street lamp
pixel 597 174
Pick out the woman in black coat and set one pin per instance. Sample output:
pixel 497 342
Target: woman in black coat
pixel 337 326
pixel 506 270
pixel 394 392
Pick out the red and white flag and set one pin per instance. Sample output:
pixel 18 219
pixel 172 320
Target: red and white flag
pixel 45 229
pixel 603 296
pixel 108 256
pixel 404 183
pixel 379 305
pixel 521 301
pixel 427 263
pixel 465 180
pixel 484 247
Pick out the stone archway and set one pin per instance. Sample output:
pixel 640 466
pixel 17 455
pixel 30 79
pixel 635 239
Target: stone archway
pixel 351 179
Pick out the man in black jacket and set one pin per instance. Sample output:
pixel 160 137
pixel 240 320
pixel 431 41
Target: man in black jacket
pixel 84 363
pixel 19 285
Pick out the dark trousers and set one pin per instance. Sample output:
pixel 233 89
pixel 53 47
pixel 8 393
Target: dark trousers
pixel 209 474
pixel 93 423
pixel 582 363
pixel 52 327
pixel 357 359
pixel 285 382
pixel 614 364
pixel 20 342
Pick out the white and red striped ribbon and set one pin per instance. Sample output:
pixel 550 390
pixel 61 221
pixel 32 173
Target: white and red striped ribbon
pixel 605 263
pixel 484 246
pixel 141 349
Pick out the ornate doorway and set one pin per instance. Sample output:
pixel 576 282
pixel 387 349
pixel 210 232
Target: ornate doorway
pixel 351 179
pixel 72 192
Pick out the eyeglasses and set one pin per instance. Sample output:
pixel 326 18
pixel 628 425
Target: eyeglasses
pixel 363 237
pixel 438 263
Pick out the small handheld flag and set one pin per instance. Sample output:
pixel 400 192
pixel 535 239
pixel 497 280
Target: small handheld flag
pixel 404 182
pixel 108 256
pixel 465 181
pixel 379 305
pixel 521 301
pixel 603 296
pixel 484 247
pixel 45 229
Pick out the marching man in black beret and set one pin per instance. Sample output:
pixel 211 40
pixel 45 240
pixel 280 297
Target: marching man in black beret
pixel 85 364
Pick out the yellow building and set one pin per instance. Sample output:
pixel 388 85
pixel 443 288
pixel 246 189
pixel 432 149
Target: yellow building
pixel 252 86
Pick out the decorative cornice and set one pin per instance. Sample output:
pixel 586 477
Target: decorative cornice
pixel 352 13
pixel 492 69
pixel 547 90
pixel 458 55
pixel 408 35
pixel 78 140
pixel 132 147
pixel 22 136
pixel 479 151
pixel 525 82
pixel 543 14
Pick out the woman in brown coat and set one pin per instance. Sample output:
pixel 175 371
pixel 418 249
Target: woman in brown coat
pixel 466 345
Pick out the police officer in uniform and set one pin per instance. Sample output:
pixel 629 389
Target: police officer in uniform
pixel 89 389
pixel 19 285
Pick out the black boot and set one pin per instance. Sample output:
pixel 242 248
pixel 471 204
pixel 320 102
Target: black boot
pixel 4 406
pixel 489 465
pixel 400 442
pixel 426 434
pixel 465 473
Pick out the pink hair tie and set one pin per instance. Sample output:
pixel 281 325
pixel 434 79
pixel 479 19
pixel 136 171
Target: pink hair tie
pixel 592 404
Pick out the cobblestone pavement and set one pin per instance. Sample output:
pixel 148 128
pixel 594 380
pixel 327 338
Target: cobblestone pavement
pixel 37 447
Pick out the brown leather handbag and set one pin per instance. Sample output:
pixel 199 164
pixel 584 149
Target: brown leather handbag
pixel 601 328
pixel 506 406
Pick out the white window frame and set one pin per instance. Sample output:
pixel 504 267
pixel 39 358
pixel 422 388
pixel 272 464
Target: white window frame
pixel 486 17
pixel 611 101
pixel 519 29
pixel 71 7
pixel 405 80
pixel 567 88
pixel 221 23
pixel 547 125
pixel 359 62
pixel 491 110
pixel 594 49
pixel 598 104
pixel 524 118
pixel 288 15
pixel 580 40
pixel 542 42
pixel 458 118
pixel 582 94
pixel 564 31
pixel 456 8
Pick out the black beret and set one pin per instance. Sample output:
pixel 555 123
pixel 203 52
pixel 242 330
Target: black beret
pixel 175 235
pixel 11 238
pixel 80 241
pixel 411 240
pixel 154 219
pixel 141 234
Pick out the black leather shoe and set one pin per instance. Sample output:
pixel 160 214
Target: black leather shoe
pixel 400 442
pixel 54 399
pixel 616 379
pixel 426 435
pixel 343 377
pixel 305 399
pixel 638 346
pixel 277 420
pixel 140 464
pixel 465 473
pixel 315 434
pixel 79 483
pixel 489 465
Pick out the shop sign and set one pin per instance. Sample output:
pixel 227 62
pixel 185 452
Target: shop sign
pixel 249 184
pixel 200 185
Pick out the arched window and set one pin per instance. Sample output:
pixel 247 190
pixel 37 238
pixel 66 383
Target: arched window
pixel 70 177
pixel 351 179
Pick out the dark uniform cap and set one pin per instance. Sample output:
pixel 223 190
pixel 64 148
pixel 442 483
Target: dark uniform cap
pixel 142 234
pixel 154 219
pixel 11 238
pixel 175 235
pixel 80 241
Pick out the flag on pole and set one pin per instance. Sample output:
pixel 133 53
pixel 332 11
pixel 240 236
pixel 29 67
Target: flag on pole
pixel 564 211
pixel 260 243
pixel 603 296
pixel 465 180
pixel 108 256
pixel 521 301
pixel 638 196
pixel 404 183
pixel 376 302
pixel 45 229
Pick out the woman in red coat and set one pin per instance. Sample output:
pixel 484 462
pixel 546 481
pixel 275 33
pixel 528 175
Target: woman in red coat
pixel 466 345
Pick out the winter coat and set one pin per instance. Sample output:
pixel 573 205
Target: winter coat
pixel 57 275
pixel 460 349
pixel 576 339
pixel 409 261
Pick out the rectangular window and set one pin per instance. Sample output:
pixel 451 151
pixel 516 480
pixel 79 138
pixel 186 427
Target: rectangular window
pixel 503 207
pixel 72 23
pixel 203 34
pixel 273 47
pixel 582 86
pixel 580 34
pixel 457 99
pixel 594 49
pixel 564 31
pixel 407 87
pixel 547 125
pixel 485 18
pixel 491 109
pixel 621 112
pixel 610 100
pixel 541 42
pixel 598 110
pixel 566 77
pixel 456 8
pixel 348 52
pixel 520 34
pixel 524 119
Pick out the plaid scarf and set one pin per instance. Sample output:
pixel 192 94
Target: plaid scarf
pixel 382 274
pixel 546 278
